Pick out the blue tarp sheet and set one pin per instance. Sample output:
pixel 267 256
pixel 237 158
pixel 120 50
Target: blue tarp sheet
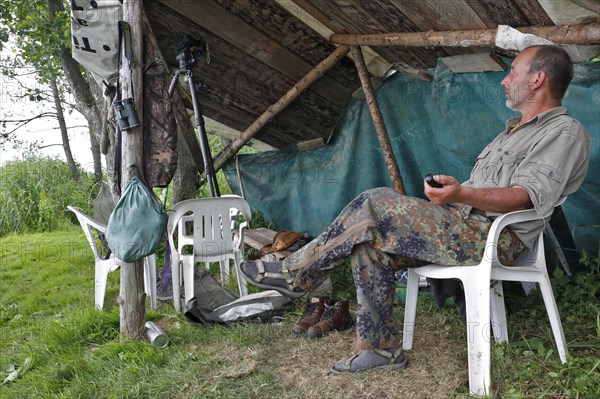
pixel 435 127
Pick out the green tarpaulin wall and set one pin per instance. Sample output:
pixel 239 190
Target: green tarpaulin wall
pixel 435 127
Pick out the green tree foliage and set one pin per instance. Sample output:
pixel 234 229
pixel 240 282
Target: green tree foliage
pixel 39 37
pixel 35 192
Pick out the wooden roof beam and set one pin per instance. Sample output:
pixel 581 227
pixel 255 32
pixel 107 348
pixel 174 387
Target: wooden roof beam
pixel 581 34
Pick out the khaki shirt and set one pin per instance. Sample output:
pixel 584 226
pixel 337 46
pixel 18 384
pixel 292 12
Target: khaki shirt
pixel 548 156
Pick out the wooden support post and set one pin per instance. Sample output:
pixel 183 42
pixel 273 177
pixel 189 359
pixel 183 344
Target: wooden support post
pixel 131 295
pixel 317 72
pixel 382 134
pixel 582 34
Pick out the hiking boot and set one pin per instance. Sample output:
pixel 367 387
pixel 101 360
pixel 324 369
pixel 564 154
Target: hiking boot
pixel 313 311
pixel 336 317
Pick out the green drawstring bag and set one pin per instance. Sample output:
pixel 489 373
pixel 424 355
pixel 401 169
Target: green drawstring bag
pixel 137 224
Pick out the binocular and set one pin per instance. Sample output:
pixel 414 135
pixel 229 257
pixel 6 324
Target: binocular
pixel 127 117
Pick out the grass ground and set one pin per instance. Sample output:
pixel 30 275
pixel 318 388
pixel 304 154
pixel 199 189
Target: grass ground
pixel 55 344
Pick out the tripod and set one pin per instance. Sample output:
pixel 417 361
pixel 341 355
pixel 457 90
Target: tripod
pixel 187 59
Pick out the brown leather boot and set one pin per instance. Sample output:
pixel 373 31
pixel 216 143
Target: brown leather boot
pixel 336 317
pixel 313 310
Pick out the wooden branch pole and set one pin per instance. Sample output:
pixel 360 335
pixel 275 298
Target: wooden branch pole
pixel 131 295
pixel 317 72
pixel 382 134
pixel 583 34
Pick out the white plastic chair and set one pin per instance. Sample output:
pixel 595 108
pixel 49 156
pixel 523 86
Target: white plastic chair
pixel 485 304
pixel 104 266
pixel 212 240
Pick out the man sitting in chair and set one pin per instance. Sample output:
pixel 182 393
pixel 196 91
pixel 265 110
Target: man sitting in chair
pixel 539 158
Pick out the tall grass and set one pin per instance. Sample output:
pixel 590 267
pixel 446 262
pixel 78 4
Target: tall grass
pixel 34 193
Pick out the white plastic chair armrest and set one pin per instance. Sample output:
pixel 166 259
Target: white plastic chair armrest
pixel 88 220
pixel 502 221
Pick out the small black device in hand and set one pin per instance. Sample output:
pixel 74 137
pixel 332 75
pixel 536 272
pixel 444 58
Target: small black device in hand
pixel 432 183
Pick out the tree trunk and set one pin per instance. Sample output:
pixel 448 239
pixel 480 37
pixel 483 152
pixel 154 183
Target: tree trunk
pixel 63 130
pixel 95 147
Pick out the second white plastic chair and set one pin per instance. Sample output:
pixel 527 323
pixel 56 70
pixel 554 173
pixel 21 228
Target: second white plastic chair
pixel 205 225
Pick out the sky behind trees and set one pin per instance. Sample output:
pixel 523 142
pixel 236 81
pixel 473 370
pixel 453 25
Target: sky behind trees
pixel 14 105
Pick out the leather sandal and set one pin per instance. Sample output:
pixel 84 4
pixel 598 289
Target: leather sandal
pixel 270 276
pixel 372 360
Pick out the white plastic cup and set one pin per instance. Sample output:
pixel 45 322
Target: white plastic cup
pixel 156 335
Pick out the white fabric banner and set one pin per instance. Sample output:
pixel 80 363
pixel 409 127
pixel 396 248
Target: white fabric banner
pixel 95 36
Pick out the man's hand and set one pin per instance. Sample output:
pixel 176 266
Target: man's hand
pixel 499 200
pixel 444 195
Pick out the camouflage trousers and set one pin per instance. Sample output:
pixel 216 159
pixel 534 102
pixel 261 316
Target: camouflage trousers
pixel 382 232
